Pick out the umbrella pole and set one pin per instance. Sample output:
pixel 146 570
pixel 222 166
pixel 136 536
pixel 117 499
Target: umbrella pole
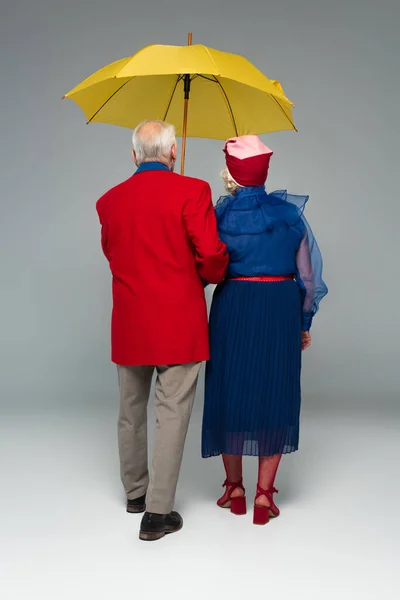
pixel 185 113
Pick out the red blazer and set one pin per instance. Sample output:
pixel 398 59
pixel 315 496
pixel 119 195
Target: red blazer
pixel 160 237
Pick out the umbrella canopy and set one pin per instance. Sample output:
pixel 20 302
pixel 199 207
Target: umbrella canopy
pixel 228 95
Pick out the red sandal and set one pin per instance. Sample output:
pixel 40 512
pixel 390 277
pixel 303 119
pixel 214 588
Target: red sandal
pixel 262 514
pixel 236 504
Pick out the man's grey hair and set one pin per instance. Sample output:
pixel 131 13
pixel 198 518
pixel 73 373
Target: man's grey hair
pixel 153 141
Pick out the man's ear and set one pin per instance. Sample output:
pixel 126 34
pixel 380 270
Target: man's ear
pixel 174 152
pixel 134 158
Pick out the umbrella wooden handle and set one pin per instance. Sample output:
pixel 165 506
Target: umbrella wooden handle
pixel 185 113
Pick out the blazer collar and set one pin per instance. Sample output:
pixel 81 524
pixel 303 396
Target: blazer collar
pixel 151 166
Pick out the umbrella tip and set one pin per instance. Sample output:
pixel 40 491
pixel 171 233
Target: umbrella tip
pixel 63 98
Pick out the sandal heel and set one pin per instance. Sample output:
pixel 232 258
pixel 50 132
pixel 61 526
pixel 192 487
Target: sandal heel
pixel 238 505
pixel 261 515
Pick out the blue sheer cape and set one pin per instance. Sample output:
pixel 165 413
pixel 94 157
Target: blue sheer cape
pixel 268 234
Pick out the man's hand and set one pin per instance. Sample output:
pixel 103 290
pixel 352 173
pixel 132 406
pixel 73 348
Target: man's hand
pixel 305 340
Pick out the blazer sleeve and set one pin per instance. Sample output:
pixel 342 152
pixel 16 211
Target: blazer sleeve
pixel 201 227
pixel 104 228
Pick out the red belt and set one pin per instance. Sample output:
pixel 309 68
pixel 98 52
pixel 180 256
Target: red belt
pixel 265 278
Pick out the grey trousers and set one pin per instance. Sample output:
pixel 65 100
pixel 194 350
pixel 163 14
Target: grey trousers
pixel 175 391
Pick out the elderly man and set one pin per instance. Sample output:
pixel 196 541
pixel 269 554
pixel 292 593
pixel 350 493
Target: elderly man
pixel 160 237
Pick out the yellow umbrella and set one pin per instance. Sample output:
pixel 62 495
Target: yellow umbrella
pixel 228 95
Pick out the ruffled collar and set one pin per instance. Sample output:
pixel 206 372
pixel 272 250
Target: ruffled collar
pixel 252 210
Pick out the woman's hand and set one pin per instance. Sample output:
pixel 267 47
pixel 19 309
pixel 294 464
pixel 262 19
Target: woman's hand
pixel 305 340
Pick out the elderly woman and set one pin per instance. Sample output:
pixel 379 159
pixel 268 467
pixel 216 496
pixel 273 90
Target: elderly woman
pixel 259 323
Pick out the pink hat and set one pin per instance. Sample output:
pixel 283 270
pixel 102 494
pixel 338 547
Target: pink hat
pixel 247 159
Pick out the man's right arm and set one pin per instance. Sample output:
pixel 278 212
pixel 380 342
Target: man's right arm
pixel 104 227
pixel 201 225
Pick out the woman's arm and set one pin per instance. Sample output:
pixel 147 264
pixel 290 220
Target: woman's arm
pixel 309 275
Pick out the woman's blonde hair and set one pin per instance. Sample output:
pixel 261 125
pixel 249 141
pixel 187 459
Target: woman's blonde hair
pixel 230 184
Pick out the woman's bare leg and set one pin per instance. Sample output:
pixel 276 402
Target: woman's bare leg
pixel 233 470
pixel 267 468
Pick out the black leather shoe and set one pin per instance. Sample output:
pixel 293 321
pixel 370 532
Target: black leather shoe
pixel 138 505
pixel 154 527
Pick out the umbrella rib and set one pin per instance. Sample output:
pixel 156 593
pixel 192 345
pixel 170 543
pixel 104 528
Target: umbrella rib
pixel 108 100
pixel 172 97
pixel 229 104
pixel 288 118
pixel 215 80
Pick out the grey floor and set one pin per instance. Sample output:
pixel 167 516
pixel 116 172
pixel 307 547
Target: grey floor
pixel 65 534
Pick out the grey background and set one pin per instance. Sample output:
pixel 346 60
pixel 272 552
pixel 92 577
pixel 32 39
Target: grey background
pixel 64 531
pixel 338 61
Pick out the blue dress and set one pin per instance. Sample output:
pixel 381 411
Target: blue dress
pixel 252 387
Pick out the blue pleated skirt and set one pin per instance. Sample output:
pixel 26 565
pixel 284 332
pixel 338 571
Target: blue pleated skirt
pixel 252 387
